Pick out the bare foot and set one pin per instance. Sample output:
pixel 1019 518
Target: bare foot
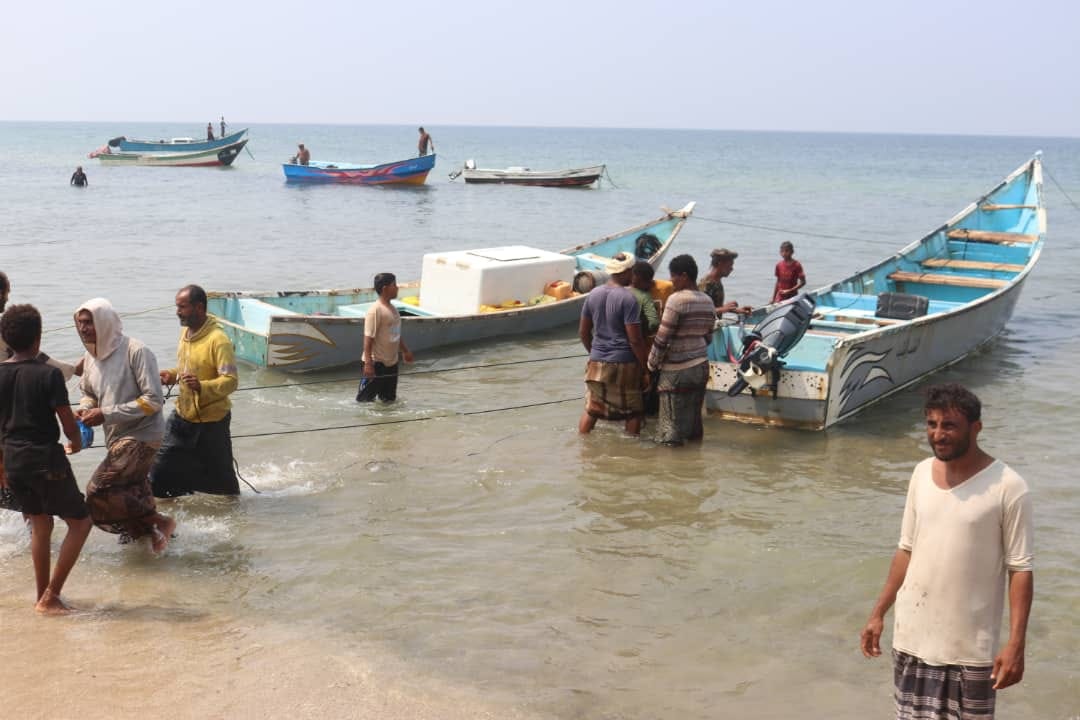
pixel 51 604
pixel 162 534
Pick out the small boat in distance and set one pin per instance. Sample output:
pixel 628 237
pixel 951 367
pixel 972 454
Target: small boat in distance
pixel 224 155
pixel 413 171
pixel 872 334
pixel 463 296
pixel 572 177
pixel 180 144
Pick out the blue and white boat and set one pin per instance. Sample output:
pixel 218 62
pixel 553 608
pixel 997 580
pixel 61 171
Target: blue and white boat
pixel 463 296
pixel 180 144
pixel 885 328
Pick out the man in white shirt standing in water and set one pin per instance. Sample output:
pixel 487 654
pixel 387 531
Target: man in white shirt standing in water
pixel 966 535
pixel 382 344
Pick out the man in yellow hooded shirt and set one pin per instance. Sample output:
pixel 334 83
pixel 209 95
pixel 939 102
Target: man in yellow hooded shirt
pixel 196 454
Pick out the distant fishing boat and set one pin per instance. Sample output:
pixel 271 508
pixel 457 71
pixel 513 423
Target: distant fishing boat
pixel 180 144
pixel 224 155
pixel 462 297
pixel 572 177
pixel 886 327
pixel 413 171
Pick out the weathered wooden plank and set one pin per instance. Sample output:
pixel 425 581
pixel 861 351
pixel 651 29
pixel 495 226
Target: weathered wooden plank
pixel 991 207
pixel 992 236
pixel 971 265
pixel 941 279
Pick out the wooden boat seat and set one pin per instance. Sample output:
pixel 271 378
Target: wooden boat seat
pixel 853 317
pixel 991 207
pixel 971 265
pixel 990 236
pixel 943 279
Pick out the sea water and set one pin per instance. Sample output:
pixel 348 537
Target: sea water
pixel 496 564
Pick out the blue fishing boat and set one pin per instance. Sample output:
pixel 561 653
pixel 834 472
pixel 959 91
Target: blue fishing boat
pixel 884 328
pixel 463 296
pixel 181 144
pixel 413 171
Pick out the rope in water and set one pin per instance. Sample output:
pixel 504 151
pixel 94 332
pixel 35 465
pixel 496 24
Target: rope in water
pixel 432 371
pixel 352 378
pixel 400 421
pixel 1054 179
pixel 789 231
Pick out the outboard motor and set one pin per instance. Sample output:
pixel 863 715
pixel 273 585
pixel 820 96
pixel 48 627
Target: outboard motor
pixel 115 142
pixel 470 164
pixel 770 340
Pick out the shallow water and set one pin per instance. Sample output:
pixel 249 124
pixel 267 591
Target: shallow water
pixel 496 563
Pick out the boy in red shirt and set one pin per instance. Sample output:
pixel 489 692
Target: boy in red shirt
pixel 790 277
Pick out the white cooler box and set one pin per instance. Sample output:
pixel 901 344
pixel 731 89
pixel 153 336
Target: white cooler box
pixel 458 283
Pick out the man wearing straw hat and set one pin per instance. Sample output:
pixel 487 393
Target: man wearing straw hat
pixel 610 329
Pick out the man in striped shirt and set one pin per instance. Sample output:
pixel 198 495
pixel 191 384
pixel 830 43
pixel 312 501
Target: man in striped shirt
pixel 679 353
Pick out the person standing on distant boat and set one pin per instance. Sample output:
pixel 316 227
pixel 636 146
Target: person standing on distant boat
pixel 425 141
pixel 222 126
pixel 610 330
pixel 209 131
pixel 965 537
pixel 721 264
pixel 790 277
pixel 680 354
pixel 303 155
pixel 78 178
pixel 121 388
pixel 382 344
pixel 196 454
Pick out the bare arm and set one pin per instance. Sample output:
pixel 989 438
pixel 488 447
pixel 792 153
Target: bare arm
pixel 368 357
pixel 637 344
pixel 71 430
pixel 1009 664
pixel 871 634
pixel 585 332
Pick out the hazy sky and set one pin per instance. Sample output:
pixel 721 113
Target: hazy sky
pixel 917 66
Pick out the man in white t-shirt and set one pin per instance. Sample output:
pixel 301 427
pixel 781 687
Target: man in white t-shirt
pixel 382 344
pixel 965 536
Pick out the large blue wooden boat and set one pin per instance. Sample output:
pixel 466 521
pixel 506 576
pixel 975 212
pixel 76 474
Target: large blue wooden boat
pixel 413 171
pixel 181 144
pixel 462 297
pixel 884 328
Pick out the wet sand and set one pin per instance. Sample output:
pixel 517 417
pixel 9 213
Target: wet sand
pixel 135 661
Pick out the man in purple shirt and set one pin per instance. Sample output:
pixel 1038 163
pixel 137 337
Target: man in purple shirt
pixel 610 329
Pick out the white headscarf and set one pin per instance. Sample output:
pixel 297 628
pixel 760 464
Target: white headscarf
pixel 107 325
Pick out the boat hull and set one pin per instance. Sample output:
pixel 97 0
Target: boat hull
pixel 413 171
pixel 863 371
pixel 207 158
pixel 971 271
pixel 162 146
pixel 578 177
pixel 297 331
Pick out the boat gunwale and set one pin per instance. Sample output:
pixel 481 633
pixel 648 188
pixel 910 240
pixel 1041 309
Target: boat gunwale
pixel 361 168
pixel 683 214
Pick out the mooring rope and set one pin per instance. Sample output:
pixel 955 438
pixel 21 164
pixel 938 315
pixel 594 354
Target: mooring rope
pixel 1054 180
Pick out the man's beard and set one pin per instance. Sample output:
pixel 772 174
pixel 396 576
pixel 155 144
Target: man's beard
pixel 953 451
